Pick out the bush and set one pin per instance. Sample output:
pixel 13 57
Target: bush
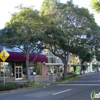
pixel 71 74
pixel 12 85
pixel 32 84
pixel 22 85
pixel 8 86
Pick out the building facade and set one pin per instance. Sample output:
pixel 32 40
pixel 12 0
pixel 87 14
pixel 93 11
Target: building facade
pixel 14 67
pixel 56 65
pixel 53 64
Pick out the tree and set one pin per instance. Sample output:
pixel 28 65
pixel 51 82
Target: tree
pixel 46 7
pixel 97 54
pixel 22 32
pixel 95 4
pixel 68 26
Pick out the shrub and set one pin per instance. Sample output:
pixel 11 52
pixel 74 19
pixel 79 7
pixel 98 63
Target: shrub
pixel 71 74
pixel 22 85
pixel 11 85
pixel 8 86
pixel 32 84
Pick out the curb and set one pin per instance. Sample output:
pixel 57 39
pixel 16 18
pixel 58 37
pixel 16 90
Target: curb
pixel 15 90
pixel 45 84
pixel 28 88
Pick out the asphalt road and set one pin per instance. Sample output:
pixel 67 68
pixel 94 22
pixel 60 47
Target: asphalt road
pixel 76 90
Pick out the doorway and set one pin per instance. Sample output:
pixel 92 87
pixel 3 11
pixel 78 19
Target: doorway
pixel 18 72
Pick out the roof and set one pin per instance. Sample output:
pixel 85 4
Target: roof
pixel 18 56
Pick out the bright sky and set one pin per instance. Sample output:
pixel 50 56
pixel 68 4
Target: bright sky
pixel 7 8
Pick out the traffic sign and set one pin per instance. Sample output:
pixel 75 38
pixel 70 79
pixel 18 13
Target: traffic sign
pixel 4 55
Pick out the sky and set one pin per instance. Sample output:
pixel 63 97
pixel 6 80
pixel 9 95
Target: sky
pixel 7 7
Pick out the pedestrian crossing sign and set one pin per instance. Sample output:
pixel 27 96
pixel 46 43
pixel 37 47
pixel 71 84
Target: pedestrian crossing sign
pixel 4 55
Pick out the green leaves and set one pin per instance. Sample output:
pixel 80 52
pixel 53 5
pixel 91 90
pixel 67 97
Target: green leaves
pixel 47 7
pixel 68 29
pixel 23 26
pixel 97 54
pixel 73 24
pixel 22 32
pixel 95 4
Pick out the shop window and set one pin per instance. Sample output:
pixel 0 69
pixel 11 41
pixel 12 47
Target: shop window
pixel 18 64
pixel 35 67
pixel 52 60
pixel 7 68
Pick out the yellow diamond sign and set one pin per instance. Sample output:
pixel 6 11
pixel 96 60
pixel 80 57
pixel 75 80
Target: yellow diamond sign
pixel 4 55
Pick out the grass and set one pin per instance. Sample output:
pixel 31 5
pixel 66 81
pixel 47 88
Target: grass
pixel 70 77
pixel 8 86
pixel 13 85
pixel 32 84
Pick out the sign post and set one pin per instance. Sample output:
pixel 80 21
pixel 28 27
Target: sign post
pixel 4 55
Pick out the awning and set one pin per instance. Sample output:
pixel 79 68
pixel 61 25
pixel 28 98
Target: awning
pixel 18 56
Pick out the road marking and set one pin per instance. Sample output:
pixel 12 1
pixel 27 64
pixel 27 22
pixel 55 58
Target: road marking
pixel 78 84
pixel 61 92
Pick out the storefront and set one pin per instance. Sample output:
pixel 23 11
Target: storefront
pixel 15 68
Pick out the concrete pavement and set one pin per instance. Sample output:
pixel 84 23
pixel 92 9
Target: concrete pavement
pixel 76 90
pixel 46 80
pixel 42 80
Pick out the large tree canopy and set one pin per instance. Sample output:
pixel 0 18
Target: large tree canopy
pixel 67 28
pixel 22 32
pixel 95 4
pixel 46 7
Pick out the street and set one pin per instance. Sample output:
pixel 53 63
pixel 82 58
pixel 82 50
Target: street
pixel 76 90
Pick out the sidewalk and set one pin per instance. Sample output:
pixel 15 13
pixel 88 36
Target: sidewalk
pixel 46 80
pixel 41 80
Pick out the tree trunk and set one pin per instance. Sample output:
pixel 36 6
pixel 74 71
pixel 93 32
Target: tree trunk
pixel 65 70
pixel 27 68
pixel 65 66
pixel 81 65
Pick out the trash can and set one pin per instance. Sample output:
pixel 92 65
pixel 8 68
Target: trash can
pixel 52 77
